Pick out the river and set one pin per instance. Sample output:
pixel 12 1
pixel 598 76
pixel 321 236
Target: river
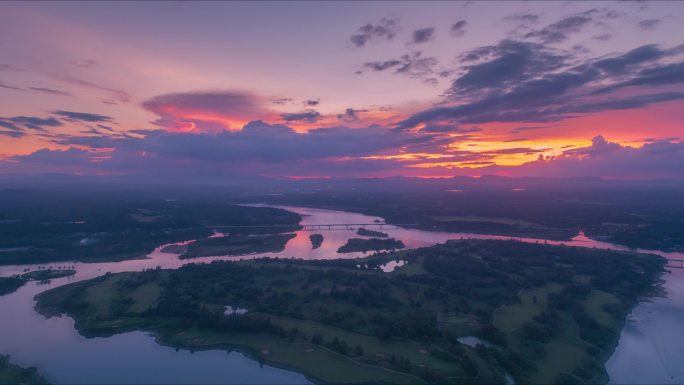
pixel 650 350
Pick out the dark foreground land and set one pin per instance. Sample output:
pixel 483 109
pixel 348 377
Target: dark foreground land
pixel 548 314
pixel 13 374
pixel 645 214
pixel 94 226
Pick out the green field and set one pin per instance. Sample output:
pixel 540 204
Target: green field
pixel 548 313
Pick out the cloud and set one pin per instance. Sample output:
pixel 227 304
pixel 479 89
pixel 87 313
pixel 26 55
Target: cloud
pixel 13 134
pixel 659 159
pixel 413 65
pixel 649 24
pixel 83 116
pixel 31 122
pixel 602 37
pixel 528 18
pixel 7 67
pixel 117 95
pixel 257 149
pixel 350 115
pixel 280 100
pixel 309 116
pixel 9 87
pixel 85 63
pixel 560 30
pixel 526 82
pixel 42 90
pixel 458 28
pixel 509 61
pixel 422 35
pixel 621 63
pixel 51 91
pixel 450 128
pixel 311 102
pixel 206 110
pixel 386 29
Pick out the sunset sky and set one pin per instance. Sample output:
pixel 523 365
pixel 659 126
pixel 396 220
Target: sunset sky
pixel 343 89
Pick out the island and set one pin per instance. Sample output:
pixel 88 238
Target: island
pixel 13 374
pixel 370 233
pixel 9 285
pixel 316 240
pixel 237 244
pixel 373 244
pixel 461 312
pixel 47 274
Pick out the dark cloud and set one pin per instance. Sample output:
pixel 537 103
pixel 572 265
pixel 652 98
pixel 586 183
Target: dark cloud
pixel 309 116
pixel 42 90
pixel 350 115
pixel 637 56
pixel 280 100
pixel 661 75
pixel 31 122
pixel 413 65
pixel 83 116
pixel 422 35
pixel 382 65
pixel 259 148
pixel 206 110
pixel 119 95
pixel 108 128
pixel 602 37
pixel 516 150
pixel 450 128
pixel 458 28
pixel 509 62
pixel 660 159
pixel 51 91
pixel 9 87
pixel 527 18
pixel 649 24
pixel 7 67
pixel 311 102
pixel 526 82
pixel 517 130
pixel 559 31
pixel 85 63
pixel 12 134
pixel 385 29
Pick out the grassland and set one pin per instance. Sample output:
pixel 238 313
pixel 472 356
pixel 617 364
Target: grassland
pixel 549 314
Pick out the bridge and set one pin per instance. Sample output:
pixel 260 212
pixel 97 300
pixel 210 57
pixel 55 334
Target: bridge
pixel 322 226
pixel 676 263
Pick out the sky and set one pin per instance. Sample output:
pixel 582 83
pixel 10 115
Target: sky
pixel 343 89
